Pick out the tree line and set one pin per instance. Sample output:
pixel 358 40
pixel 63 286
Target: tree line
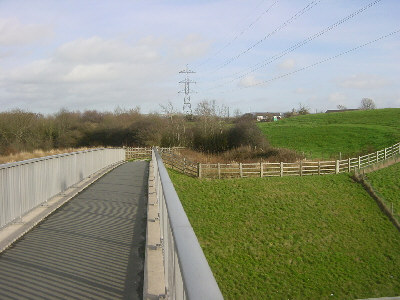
pixel 209 129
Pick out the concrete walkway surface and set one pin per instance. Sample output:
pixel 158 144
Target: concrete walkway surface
pixel 91 248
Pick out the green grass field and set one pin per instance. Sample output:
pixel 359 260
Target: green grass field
pixel 325 135
pixel 293 237
pixel 387 183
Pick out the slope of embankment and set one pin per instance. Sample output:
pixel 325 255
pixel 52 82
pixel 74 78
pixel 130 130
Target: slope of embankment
pixel 327 135
pixel 386 183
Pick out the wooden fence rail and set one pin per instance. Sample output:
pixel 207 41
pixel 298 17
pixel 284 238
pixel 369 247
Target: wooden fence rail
pixel 137 153
pixel 264 169
pixel 145 152
pixel 180 164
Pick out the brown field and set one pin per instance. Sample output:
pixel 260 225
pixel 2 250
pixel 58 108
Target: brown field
pixel 242 154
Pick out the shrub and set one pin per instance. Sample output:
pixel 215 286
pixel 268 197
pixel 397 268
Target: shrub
pixel 246 133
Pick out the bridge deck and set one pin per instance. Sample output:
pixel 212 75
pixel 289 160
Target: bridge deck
pixel 93 247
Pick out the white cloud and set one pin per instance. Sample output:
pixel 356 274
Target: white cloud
pixel 301 91
pixel 5 54
pixel 248 81
pixel 13 32
pixel 92 72
pixel 337 98
pixel 90 60
pixel 364 81
pixel 39 71
pixel 192 46
pixel 98 50
pixel 287 64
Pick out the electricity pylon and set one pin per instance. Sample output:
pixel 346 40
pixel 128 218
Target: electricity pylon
pixel 187 106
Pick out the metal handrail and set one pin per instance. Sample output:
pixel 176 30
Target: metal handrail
pixel 187 273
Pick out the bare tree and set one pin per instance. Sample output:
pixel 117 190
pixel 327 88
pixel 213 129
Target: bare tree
pixel 206 108
pixel 367 104
pixel 303 109
pixel 169 110
pixel 237 113
pixel 206 112
pixel 176 126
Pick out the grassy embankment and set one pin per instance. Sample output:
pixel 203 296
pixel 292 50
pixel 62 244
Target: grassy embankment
pixel 293 237
pixel 386 182
pixel 325 135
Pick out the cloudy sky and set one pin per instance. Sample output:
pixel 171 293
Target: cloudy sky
pixel 251 55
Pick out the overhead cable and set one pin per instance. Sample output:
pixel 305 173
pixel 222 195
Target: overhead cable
pixel 324 60
pixel 241 32
pixel 271 59
pixel 305 9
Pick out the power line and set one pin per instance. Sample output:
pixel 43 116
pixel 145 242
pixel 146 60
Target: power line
pixel 305 9
pixel 324 60
pixel 319 62
pixel 298 45
pixel 241 32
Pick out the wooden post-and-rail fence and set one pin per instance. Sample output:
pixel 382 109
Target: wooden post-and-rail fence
pixel 265 169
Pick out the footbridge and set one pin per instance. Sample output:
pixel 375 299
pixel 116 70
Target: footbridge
pixel 90 225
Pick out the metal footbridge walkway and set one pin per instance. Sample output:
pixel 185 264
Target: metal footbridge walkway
pixel 91 248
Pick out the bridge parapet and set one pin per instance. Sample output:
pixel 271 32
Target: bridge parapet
pixel 186 270
pixel 27 184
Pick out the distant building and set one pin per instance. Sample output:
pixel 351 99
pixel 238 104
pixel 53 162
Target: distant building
pixel 340 110
pixel 267 116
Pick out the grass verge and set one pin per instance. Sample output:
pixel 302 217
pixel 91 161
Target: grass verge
pixel 293 237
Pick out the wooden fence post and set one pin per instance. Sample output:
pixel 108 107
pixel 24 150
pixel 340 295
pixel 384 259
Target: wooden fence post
pixel 319 167
pixel 301 168
pixel 359 162
pixel 337 167
pixel 219 171
pixel 377 156
pixel 261 170
pixel 240 170
pixel 199 170
pixel 281 169
pixel 349 164
pixel 184 165
pixel 385 154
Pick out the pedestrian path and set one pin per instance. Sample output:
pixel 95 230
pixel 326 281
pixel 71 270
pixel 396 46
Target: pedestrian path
pixel 93 247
